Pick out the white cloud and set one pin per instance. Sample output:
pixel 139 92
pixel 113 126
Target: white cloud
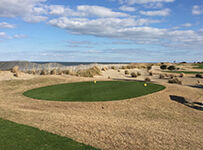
pixel 131 2
pixel 163 12
pixel 99 11
pixel 19 36
pixel 129 29
pixel 187 25
pixel 6 25
pixel 2 34
pixel 56 10
pixel 197 10
pixel 101 26
pixel 84 11
pixel 153 5
pixel 22 8
pixel 35 19
pixel 127 8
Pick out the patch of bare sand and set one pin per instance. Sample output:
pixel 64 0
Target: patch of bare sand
pixel 149 122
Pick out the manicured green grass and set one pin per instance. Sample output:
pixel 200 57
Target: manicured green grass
pixel 186 72
pixel 198 66
pixel 14 136
pixel 89 91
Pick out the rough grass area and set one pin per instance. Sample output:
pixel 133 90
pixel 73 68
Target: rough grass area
pixel 91 72
pixel 186 72
pixel 198 66
pixel 20 137
pixel 90 91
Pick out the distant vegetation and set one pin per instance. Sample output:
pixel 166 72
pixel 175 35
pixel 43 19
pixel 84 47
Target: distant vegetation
pixel 186 72
pixel 198 66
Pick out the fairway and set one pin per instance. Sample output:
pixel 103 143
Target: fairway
pixel 91 91
pixel 21 137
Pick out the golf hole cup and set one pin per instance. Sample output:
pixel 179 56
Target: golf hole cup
pixel 145 84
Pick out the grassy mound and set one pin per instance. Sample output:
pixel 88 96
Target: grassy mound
pixel 90 91
pixel 20 137
pixel 91 72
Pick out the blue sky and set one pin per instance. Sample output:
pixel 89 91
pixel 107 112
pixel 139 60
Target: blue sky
pixel 101 30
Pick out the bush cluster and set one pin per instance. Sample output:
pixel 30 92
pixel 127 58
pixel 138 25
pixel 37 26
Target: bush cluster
pixel 147 79
pixel 198 76
pixel 134 75
pixel 175 80
pixel 163 67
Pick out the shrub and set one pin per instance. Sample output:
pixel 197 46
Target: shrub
pixel 109 77
pixel 119 71
pixel 53 72
pixel 198 76
pixel 175 80
pixel 91 72
pixel 133 74
pixel 171 68
pixel 16 74
pixel 124 67
pixel 150 73
pixel 182 75
pixel 43 72
pixel 163 67
pixel 15 69
pixel 172 76
pixel 113 67
pixel 126 72
pixel 138 73
pixel 103 69
pixel 32 72
pixel 147 79
pixel 149 67
pixel 161 76
pixel 66 71
pixel 166 75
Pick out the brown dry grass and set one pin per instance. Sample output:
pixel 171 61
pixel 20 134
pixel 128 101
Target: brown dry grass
pixel 15 69
pixel 148 122
pixel 91 72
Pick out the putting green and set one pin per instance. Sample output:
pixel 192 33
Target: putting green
pixel 93 91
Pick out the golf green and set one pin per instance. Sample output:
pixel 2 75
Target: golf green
pixel 91 91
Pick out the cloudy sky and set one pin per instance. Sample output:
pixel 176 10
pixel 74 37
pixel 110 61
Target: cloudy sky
pixel 101 30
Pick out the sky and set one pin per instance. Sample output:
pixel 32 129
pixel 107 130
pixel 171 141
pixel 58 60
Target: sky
pixel 101 30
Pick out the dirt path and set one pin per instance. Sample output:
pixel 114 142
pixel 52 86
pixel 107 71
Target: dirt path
pixel 149 122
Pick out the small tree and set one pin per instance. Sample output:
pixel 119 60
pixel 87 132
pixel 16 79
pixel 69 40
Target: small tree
pixel 163 67
pixel 171 68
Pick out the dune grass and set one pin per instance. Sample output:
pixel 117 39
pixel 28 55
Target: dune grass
pixel 186 72
pixel 90 91
pixel 14 136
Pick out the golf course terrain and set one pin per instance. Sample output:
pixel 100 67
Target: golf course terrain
pixel 94 91
pixel 21 137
